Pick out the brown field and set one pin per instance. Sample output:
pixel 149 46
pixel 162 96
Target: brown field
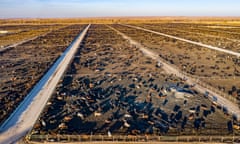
pixel 18 33
pixel 22 66
pixel 112 87
pixel 233 21
pixel 197 61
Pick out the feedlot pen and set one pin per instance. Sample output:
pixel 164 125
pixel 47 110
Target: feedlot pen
pixel 113 92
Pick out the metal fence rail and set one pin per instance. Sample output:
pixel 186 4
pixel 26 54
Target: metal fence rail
pixel 199 81
pixel 130 138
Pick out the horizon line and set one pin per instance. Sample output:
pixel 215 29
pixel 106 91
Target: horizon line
pixel 107 17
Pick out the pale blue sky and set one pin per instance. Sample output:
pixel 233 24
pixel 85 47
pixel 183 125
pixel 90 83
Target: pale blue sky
pixel 108 8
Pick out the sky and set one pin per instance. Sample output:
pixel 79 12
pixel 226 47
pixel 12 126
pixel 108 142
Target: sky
pixel 116 8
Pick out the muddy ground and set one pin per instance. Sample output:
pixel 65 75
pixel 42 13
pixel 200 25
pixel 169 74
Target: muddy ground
pixel 112 88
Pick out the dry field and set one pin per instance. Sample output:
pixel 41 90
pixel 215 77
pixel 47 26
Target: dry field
pixel 112 88
pixel 218 69
pixel 22 66
pixel 12 34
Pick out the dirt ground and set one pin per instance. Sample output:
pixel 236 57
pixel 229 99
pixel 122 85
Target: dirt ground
pixel 202 63
pixel 22 66
pixel 112 88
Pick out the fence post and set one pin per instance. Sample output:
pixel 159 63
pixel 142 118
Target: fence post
pixel 69 138
pixel 58 138
pixel 79 138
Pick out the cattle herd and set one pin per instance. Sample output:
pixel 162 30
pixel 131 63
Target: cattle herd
pixel 21 67
pixel 111 88
pixel 215 68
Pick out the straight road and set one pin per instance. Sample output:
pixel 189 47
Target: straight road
pixel 230 106
pixel 185 40
pixel 23 118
